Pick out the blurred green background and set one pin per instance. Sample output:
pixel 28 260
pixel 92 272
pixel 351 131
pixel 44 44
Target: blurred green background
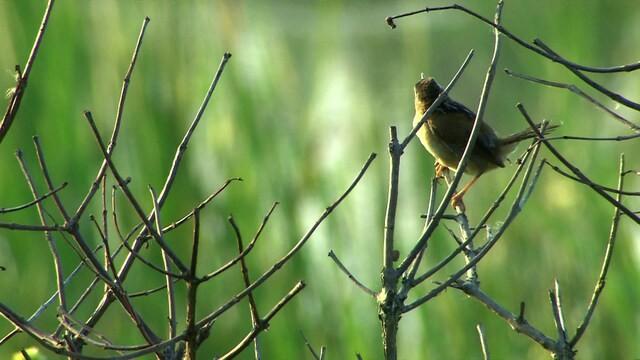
pixel 310 91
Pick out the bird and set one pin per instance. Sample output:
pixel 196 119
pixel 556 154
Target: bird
pixel 446 131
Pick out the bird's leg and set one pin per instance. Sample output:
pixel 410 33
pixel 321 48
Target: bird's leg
pixel 440 170
pixel 456 200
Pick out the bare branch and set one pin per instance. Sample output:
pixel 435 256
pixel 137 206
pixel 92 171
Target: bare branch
pixel 253 307
pixel 33 202
pixel 612 95
pixel 483 342
pixel 171 300
pixel 191 340
pixel 360 285
pixel 510 35
pixel 605 263
pixel 306 342
pixel 605 188
pixel 558 316
pixel 57 262
pixel 23 77
pixel 577 171
pixel 517 323
pixel 264 323
pixel 574 89
pixel 116 126
pixel 245 251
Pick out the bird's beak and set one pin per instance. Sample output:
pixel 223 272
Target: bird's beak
pixel 422 76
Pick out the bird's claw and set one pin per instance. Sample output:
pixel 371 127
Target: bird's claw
pixel 440 170
pixel 456 202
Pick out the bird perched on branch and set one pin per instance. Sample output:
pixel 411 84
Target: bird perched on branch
pixel 446 131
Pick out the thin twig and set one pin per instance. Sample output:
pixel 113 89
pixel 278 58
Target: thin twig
pixel 33 202
pixel 105 243
pixel 395 151
pixel 483 342
pixel 610 94
pixel 264 323
pixel 510 35
pixel 574 89
pixel 306 342
pixel 57 262
pixel 23 77
pixel 28 227
pixel 605 263
pixel 253 307
pixel 575 170
pixel 171 296
pixel 191 341
pixel 200 206
pixel 410 275
pixel 517 323
pixel 116 125
pixel 605 188
pixel 558 316
pixel 47 178
pixel 341 266
pixel 245 251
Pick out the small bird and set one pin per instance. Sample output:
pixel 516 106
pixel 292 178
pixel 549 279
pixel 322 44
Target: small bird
pixel 445 134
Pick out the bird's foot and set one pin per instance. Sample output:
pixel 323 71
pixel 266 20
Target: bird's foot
pixel 440 170
pixel 456 202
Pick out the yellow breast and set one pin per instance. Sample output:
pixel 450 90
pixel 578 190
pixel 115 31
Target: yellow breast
pixel 443 153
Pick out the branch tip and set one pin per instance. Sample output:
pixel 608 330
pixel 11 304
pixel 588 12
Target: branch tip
pixel 389 21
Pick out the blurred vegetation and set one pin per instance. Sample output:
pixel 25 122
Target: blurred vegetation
pixel 311 89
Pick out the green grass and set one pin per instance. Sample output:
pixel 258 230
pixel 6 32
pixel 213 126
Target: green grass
pixel 310 91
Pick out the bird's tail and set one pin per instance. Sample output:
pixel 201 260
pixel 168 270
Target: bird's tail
pixel 510 142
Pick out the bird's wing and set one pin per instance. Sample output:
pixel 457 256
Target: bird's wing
pixel 452 122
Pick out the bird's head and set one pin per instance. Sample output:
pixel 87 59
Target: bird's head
pixel 426 91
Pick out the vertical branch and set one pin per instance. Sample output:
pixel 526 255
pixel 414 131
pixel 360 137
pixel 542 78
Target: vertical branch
pixel 191 339
pixel 468 249
pixel 395 152
pixel 253 308
pixel 187 136
pixel 47 178
pixel 410 275
pixel 558 316
pixel 605 263
pixel 52 245
pixel 171 301
pixel 389 306
pixel 563 349
pixel 116 125
pixel 483 342
pixel 23 77
pixel 108 257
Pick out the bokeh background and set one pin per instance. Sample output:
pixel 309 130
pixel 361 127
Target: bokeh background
pixel 310 91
